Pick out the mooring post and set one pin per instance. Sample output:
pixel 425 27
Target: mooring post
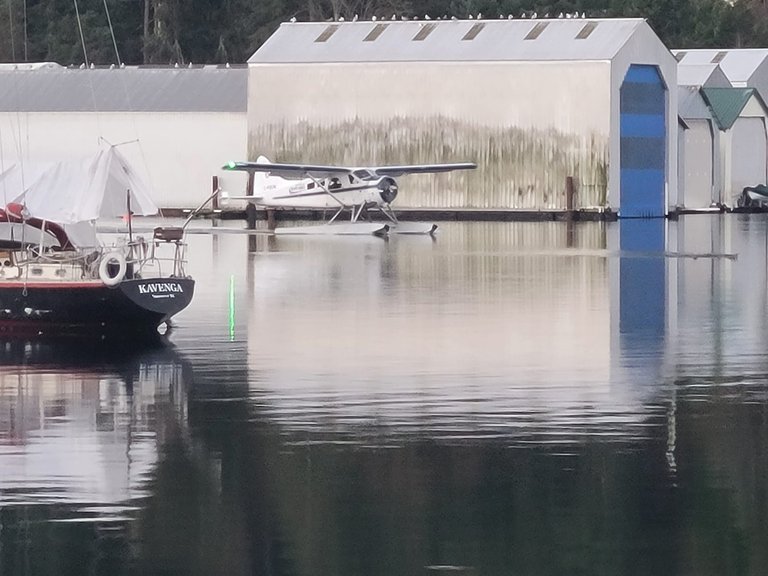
pixel 271 224
pixel 569 193
pixel 250 215
pixel 214 188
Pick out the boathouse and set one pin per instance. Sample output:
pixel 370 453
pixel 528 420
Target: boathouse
pixel 543 107
pixel 744 67
pixel 177 125
pixel 699 167
pixel 741 116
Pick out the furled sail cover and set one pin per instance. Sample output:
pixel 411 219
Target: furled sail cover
pixel 83 190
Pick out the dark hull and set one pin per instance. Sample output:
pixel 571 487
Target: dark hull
pixel 54 307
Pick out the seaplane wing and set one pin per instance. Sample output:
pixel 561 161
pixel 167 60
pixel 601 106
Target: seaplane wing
pixel 288 170
pixel 316 171
pixel 422 169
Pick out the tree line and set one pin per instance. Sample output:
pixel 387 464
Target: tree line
pixel 219 31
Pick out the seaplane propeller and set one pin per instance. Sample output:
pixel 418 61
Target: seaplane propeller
pixel 388 189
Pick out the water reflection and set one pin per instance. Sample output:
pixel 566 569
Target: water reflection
pixel 492 331
pixel 530 398
pixel 81 422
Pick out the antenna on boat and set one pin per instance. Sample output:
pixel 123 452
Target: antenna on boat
pixel 130 219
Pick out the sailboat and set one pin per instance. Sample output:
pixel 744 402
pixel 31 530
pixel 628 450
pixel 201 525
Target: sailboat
pixel 55 274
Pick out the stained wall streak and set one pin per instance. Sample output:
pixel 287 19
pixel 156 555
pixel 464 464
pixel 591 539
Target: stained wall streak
pixel 520 168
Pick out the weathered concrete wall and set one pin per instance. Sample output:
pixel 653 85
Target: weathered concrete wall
pixel 528 126
pixel 178 153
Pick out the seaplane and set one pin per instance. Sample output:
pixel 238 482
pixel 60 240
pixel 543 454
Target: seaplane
pixel 339 188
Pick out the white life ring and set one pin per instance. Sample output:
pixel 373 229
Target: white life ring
pixel 108 258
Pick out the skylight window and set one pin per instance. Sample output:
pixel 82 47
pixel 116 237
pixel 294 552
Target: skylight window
pixel 680 55
pixel 375 32
pixel 425 31
pixel 536 30
pixel 718 57
pixel 586 30
pixel 473 32
pixel 327 33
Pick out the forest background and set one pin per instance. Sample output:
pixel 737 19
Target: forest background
pixel 220 31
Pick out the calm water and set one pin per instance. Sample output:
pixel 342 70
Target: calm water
pixel 507 399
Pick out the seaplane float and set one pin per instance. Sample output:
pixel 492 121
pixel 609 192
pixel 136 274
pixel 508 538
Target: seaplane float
pixel 339 188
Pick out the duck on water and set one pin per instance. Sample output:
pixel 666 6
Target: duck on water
pixel 56 276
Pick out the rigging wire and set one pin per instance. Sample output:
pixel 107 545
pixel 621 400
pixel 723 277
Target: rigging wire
pixel 10 25
pixel 87 67
pixel 82 38
pixel 112 32
pixel 26 56
pixel 129 103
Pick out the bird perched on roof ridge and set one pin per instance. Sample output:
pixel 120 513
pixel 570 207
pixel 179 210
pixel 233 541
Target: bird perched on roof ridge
pixel 373 18
pixel 426 17
pixel 354 18
pixel 293 18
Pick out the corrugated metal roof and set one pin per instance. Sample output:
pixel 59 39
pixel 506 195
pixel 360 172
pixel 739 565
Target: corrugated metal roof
pixel 727 103
pixel 701 75
pixel 738 65
pixel 691 104
pixel 447 40
pixel 130 89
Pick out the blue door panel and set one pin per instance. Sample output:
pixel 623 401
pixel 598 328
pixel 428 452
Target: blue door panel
pixel 643 144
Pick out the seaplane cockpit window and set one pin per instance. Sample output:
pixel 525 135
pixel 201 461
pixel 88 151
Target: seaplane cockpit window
pixel 334 183
pixel 351 179
pixel 310 185
pixel 364 175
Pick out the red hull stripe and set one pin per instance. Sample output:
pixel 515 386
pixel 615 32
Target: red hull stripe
pixel 52 285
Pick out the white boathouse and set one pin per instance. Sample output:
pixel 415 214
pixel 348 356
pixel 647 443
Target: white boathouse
pixel 534 102
pixel 177 125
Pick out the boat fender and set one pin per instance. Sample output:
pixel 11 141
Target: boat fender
pixel 104 271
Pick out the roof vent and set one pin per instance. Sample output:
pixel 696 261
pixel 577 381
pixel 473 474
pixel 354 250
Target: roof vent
pixel 536 30
pixel 586 30
pixel 718 57
pixel 680 55
pixel 425 31
pixel 327 33
pixel 375 32
pixel 473 32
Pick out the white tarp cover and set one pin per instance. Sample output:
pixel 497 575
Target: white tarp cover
pixel 72 191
